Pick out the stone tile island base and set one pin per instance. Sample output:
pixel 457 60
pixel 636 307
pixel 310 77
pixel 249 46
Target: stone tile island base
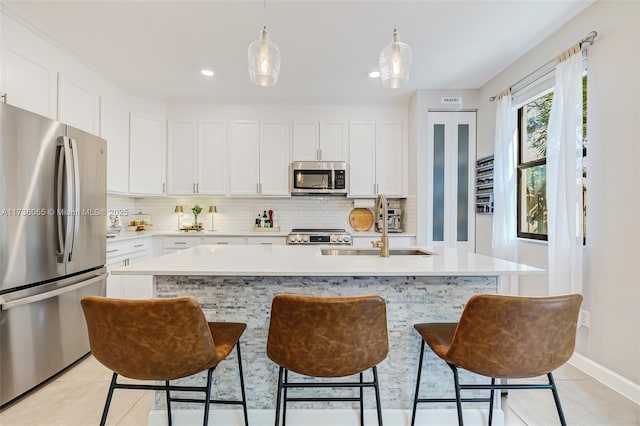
pixel 409 300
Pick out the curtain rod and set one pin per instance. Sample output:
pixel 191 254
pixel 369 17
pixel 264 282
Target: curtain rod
pixel 588 39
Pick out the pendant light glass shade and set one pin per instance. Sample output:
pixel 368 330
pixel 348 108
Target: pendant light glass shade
pixel 395 63
pixel 264 60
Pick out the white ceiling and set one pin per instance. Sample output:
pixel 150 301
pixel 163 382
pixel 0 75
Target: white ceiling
pixel 155 48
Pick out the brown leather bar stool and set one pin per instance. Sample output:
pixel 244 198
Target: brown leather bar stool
pixel 504 337
pixel 160 340
pixel 327 337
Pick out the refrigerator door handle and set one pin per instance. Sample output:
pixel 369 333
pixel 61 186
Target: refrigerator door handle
pixel 76 196
pixel 49 294
pixel 65 171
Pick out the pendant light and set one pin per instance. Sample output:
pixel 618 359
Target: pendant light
pixel 264 58
pixel 395 62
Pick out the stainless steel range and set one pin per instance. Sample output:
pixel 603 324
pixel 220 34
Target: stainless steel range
pixel 302 236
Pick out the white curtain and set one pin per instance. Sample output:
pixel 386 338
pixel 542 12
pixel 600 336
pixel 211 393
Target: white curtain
pixel 503 242
pixel 564 179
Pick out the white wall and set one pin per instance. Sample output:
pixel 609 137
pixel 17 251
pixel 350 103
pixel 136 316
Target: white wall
pixel 612 254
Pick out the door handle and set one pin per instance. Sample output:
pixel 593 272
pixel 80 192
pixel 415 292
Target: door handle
pixel 65 179
pixel 49 294
pixel 76 198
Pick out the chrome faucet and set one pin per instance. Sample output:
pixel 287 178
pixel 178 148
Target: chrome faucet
pixel 383 243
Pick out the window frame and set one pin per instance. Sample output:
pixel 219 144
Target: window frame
pixel 521 166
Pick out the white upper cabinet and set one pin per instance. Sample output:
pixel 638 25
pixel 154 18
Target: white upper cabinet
pixel 333 141
pixel 362 158
pixel 196 158
pixel 181 158
pixel 78 105
pixel 259 157
pixel 376 159
pixel 244 157
pixel 29 84
pixel 315 141
pixel 146 147
pixel 274 158
pixel 389 165
pixel 114 127
pixel 211 158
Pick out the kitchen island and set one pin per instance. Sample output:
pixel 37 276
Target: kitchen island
pixel 237 283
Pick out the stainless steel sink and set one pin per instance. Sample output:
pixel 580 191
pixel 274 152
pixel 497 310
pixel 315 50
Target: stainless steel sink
pixel 375 252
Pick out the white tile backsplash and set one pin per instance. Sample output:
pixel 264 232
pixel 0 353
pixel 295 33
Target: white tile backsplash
pixel 238 214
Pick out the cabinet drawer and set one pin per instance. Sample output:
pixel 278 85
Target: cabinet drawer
pixel 276 241
pixel 180 242
pixel 225 240
pixel 127 247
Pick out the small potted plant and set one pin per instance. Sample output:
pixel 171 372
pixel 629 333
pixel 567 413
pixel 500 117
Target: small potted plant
pixel 196 211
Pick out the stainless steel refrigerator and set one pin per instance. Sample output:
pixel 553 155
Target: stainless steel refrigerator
pixel 52 245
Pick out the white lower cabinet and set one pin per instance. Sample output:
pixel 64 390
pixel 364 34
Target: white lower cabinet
pixel 275 241
pixel 226 240
pixel 172 244
pixel 124 253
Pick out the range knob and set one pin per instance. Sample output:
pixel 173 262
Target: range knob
pixel 347 239
pixel 332 238
pixel 340 238
pixel 292 238
pixel 305 238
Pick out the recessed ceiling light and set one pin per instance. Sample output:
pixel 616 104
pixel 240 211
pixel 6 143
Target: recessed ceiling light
pixel 374 74
pixel 206 72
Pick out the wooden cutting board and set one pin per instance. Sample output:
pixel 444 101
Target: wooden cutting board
pixel 361 219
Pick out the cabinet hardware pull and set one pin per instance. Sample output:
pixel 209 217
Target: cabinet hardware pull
pixel 163 189
pixel 222 242
pixel 179 242
pixel 139 245
pixel 197 188
pixel 193 187
pixel 113 251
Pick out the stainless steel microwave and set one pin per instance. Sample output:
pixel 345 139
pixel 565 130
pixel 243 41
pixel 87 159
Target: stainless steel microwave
pixel 318 178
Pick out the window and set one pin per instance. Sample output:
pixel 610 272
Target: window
pixel 533 119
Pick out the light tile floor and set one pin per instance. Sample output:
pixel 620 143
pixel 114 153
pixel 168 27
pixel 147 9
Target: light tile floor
pixel 76 398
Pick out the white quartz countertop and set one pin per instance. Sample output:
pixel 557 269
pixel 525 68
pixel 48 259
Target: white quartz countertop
pixel 281 260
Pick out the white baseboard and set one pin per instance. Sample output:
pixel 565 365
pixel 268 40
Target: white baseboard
pixel 319 417
pixel 611 379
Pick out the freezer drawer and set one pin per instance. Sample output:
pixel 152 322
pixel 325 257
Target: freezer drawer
pixel 41 334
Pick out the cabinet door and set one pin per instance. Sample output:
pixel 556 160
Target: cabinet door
pixel 274 158
pixel 114 127
pixel 305 141
pixel 78 106
pixel 362 159
pixel 244 157
pixel 225 240
pixel 146 150
pixel 333 141
pixel 389 167
pixel 211 157
pixel 451 143
pixel 29 84
pixel 181 156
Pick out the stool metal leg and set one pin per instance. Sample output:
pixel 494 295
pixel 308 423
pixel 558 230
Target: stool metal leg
pixel 244 397
pixel 493 391
pixel 167 392
pixel 361 403
pixel 377 389
pixel 456 383
pixel 279 396
pixel 103 421
pixel 207 396
pixel 284 401
pixel 556 398
pixel 415 397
